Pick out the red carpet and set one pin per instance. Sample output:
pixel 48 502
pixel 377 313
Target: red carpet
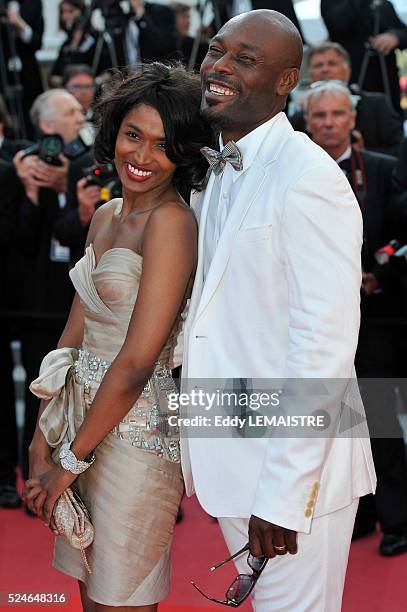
pixel 374 584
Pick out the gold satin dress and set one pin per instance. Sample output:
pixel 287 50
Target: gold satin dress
pixel 134 488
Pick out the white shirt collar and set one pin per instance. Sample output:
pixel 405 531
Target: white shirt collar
pixel 346 155
pixel 250 144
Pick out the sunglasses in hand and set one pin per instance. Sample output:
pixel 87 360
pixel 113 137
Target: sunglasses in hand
pixel 243 584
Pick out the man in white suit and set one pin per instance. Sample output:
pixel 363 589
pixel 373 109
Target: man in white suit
pixel 276 296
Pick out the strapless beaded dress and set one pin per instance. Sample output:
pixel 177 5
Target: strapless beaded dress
pixel 134 488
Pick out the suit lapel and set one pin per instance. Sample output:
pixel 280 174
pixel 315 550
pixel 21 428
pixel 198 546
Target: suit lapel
pixel 200 206
pixel 250 185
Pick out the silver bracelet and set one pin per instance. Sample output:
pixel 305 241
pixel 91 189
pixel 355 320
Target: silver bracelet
pixel 70 463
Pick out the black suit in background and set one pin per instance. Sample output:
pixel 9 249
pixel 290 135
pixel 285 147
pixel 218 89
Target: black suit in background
pixel 377 121
pixel 84 54
pixel 185 47
pixel 400 172
pixel 381 351
pixel 9 148
pixel 31 12
pixel 9 202
pixel 68 228
pixel 399 199
pixel 156 38
pixel 286 7
pixel 157 32
pixel 45 296
pixel 350 23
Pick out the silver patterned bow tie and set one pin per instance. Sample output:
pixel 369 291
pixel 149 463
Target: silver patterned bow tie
pixel 217 160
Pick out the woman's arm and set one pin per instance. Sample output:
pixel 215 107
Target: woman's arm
pixel 169 261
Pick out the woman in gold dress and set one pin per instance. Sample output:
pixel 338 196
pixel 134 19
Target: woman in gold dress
pixel 105 387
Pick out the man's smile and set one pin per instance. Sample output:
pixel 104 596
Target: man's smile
pixel 217 92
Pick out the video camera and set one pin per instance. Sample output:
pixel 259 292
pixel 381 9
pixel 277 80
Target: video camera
pixel 51 146
pixel 105 177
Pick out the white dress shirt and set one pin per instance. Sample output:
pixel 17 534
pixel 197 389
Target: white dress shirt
pixel 225 189
pixel 345 155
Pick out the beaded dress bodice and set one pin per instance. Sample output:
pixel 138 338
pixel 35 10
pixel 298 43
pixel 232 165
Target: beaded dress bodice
pixel 108 291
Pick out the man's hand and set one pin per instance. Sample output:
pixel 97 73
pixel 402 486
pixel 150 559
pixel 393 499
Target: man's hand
pixel 25 169
pixel 53 177
pixel 384 43
pixel 269 540
pixel 369 283
pixel 34 174
pixel 14 17
pixel 88 198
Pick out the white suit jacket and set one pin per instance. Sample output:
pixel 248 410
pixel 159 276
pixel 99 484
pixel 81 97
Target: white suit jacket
pixel 281 300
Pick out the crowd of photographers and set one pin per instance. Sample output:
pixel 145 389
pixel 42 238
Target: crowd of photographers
pixel 50 188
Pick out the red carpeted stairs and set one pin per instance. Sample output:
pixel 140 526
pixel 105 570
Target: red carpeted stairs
pixel 374 584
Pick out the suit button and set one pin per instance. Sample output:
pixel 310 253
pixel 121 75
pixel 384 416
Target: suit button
pixel 308 512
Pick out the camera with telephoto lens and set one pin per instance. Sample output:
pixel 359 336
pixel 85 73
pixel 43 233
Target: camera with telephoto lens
pixel 51 146
pixel 105 177
pixel 48 149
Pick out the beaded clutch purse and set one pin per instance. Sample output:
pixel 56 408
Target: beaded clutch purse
pixel 72 519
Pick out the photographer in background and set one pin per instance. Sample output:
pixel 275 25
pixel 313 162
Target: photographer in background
pixel 80 46
pixel 351 23
pixel 149 33
pixel 227 9
pixel 380 354
pixel 185 42
pixel 82 200
pixel 46 291
pixel 378 127
pixel 24 25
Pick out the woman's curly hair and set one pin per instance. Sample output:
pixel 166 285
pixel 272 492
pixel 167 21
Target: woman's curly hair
pixel 176 95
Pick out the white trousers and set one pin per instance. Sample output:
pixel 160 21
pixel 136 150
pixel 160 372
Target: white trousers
pixel 310 581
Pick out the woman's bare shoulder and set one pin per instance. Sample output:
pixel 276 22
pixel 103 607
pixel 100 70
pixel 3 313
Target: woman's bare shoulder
pixel 174 213
pixel 172 223
pixel 102 216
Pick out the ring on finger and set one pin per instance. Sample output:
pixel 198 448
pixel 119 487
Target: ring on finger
pixel 278 547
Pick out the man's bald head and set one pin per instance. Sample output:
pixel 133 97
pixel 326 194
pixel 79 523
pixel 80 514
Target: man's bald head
pixel 272 24
pixel 256 57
